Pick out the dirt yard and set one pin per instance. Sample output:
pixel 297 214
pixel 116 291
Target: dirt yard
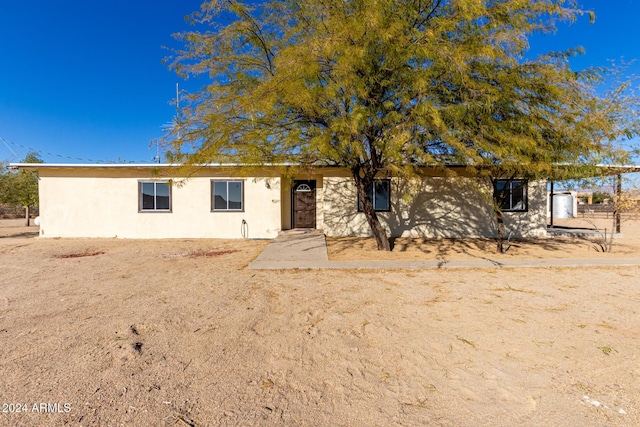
pixel 598 228
pixel 178 333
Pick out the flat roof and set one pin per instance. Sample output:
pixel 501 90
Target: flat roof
pixel 613 169
pixel 123 165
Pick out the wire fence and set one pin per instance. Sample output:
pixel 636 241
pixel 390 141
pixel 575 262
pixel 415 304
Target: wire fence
pixel 13 212
pixel 604 211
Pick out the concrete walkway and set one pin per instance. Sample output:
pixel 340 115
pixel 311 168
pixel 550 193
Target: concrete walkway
pixel 307 249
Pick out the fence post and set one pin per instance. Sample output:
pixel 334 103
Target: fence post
pixel 618 194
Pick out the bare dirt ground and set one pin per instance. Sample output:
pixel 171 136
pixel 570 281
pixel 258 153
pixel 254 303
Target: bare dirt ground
pixel 354 248
pixel 178 333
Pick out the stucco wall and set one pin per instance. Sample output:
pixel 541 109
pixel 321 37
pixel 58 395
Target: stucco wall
pixel 103 202
pixel 433 207
pixel 99 205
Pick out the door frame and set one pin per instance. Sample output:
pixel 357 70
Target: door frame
pixel 313 185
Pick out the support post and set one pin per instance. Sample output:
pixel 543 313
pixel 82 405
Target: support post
pixel 618 194
pixel 551 204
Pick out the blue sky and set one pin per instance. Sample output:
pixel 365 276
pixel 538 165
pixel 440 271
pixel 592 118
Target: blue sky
pixel 83 81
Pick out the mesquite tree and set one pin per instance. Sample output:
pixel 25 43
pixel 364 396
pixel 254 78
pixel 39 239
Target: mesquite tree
pixel 384 88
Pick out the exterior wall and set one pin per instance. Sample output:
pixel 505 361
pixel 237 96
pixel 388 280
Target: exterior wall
pixel 101 203
pixel 433 207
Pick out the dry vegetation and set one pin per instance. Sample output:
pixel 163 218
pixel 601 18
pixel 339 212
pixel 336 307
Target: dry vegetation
pixel 147 333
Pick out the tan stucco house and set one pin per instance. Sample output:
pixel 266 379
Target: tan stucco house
pixel 147 201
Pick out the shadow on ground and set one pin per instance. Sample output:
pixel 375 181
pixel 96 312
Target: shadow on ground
pixel 480 248
pixel 27 234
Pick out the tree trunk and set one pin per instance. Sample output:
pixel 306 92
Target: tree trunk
pixel 369 212
pixel 500 223
pixel 27 215
pixel 608 244
pixel 378 230
pixel 498 200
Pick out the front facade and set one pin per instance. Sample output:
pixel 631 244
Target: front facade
pixel 135 201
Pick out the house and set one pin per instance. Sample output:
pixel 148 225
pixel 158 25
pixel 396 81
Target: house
pixel 148 201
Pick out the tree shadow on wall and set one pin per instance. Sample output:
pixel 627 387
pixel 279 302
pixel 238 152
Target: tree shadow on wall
pixel 434 208
pixel 439 208
pixel 427 216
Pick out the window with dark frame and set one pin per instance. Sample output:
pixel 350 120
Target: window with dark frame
pixel 227 195
pixel 511 194
pixel 380 193
pixel 154 196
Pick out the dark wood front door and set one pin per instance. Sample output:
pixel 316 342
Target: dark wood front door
pixel 304 204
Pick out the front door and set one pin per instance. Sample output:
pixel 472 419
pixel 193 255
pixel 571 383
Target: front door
pixel 304 204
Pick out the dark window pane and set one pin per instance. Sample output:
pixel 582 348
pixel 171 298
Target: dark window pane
pixel 162 196
pixel 505 203
pixel 235 195
pixel 162 189
pixel 162 203
pixel 381 196
pixel 511 195
pixel 220 195
pixel 379 192
pixel 501 194
pixel 148 196
pixel 518 196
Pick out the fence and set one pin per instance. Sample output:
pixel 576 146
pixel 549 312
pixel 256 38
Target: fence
pixel 11 212
pixel 604 211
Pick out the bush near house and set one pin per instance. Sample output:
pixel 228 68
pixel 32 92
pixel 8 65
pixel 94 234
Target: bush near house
pixel 20 188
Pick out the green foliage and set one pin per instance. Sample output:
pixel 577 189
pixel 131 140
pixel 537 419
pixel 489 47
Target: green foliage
pixel 387 87
pixel 599 197
pixel 20 187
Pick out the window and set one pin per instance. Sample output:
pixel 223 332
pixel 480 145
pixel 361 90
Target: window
pixel 154 196
pixel 227 196
pixel 511 195
pixel 380 193
pixel 303 188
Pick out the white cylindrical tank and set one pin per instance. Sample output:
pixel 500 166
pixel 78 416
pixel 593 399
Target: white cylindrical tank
pixel 562 206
